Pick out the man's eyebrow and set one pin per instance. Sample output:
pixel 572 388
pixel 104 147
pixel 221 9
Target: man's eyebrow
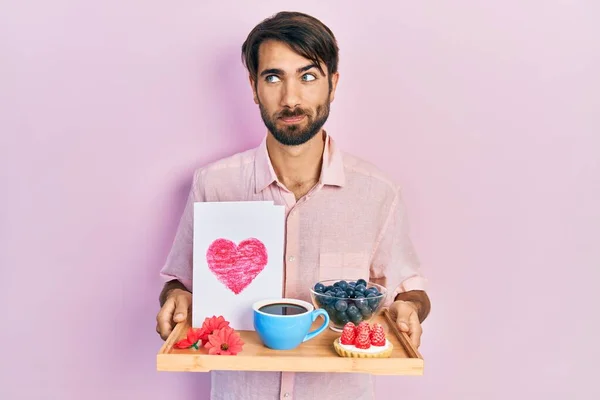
pixel 277 71
pixel 307 67
pixel 274 71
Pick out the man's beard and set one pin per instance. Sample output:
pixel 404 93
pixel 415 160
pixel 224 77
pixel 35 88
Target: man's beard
pixel 294 135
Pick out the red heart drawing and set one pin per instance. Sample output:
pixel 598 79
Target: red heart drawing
pixel 236 266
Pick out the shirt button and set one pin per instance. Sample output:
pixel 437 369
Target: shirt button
pixel 291 259
pixel 286 395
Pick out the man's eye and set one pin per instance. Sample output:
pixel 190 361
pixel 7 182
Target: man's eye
pixel 272 79
pixel 308 77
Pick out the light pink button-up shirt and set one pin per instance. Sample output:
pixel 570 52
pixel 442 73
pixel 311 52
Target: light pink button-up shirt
pixel 351 225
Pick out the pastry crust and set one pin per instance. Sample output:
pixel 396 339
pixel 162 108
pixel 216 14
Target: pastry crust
pixel 385 353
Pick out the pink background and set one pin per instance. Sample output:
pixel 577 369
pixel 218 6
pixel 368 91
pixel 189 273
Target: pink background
pixel 487 114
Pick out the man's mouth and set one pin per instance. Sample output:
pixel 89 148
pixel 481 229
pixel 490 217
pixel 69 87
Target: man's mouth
pixel 292 120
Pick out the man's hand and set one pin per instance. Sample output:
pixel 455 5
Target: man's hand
pixel 175 310
pixel 406 315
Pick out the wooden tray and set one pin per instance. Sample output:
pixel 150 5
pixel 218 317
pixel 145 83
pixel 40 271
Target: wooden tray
pixel 315 355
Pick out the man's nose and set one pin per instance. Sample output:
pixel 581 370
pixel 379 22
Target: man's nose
pixel 291 94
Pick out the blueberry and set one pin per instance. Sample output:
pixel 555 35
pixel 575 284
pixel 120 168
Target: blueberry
pixel 341 305
pixel 328 297
pixel 336 284
pixel 350 292
pixel 370 290
pixel 319 287
pixel 356 318
pixel 352 310
pixel 332 312
pixel 361 282
pixel 359 289
pixel 373 301
pixel 370 297
pixel 375 304
pixel 327 288
pixel 361 302
pixel 366 312
pixel 321 300
pixel 342 318
pixel 342 285
pixel 352 284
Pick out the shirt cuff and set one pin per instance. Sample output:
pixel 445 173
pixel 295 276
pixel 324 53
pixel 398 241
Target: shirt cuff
pixel 416 282
pixel 185 282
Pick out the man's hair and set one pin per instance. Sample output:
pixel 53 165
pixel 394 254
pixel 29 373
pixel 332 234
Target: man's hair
pixel 305 34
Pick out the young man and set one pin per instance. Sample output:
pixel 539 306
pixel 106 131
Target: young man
pixel 344 218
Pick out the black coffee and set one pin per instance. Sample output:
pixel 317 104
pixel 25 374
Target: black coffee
pixel 283 309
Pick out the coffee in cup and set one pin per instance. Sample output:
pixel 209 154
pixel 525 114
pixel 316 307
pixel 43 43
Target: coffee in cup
pixel 283 309
pixel 284 324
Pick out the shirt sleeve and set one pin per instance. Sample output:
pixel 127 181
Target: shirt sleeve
pixel 395 262
pixel 178 264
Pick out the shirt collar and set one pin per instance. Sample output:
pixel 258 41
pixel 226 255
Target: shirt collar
pixel 332 170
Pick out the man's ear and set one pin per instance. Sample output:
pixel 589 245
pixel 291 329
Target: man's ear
pixel 253 86
pixel 334 81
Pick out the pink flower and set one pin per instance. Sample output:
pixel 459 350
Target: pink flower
pixel 212 324
pixel 225 341
pixel 193 336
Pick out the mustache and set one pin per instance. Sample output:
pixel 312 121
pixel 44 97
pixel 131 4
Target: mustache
pixel 292 113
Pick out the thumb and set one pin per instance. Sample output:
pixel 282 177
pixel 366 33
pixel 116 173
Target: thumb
pixel 402 324
pixel 402 315
pixel 181 308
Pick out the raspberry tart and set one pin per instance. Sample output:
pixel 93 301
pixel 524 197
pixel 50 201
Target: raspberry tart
pixel 363 341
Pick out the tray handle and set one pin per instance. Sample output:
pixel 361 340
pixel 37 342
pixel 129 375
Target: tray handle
pixel 403 337
pixel 177 332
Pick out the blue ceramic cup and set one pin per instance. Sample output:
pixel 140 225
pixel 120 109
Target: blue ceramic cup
pixel 283 324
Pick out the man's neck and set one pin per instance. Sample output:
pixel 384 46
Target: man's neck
pixel 298 168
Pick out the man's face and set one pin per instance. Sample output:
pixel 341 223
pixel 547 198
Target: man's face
pixel 292 94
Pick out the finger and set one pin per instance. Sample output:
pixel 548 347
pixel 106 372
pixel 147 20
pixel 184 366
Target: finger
pixel 416 330
pixel 182 306
pixel 164 335
pixel 164 318
pixel 403 311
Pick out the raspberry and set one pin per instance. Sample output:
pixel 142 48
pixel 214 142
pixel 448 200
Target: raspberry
pixel 363 327
pixel 363 341
pixel 377 335
pixel 348 334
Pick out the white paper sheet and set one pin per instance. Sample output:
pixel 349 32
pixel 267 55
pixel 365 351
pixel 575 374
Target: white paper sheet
pixel 232 243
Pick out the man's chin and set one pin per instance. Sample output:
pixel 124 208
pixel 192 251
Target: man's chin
pixel 292 139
